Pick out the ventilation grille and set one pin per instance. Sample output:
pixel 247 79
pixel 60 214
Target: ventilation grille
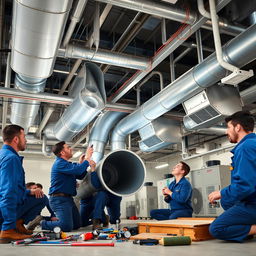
pixel 204 114
pixel 152 141
pixel 209 190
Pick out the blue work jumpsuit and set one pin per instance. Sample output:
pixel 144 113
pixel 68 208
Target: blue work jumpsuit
pixel 63 184
pixel 239 198
pixel 15 201
pixel 180 202
pixel 93 206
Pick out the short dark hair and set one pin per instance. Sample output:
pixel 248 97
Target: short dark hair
pixel 29 184
pixel 39 185
pixel 244 118
pixel 10 131
pixel 185 167
pixel 57 148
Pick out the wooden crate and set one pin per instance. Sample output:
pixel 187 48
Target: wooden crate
pixel 196 228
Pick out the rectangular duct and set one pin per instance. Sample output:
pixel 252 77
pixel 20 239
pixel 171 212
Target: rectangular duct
pixel 211 106
pixel 158 134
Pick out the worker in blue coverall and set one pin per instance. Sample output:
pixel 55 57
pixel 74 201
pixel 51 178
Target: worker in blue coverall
pixel 178 195
pixel 32 224
pixel 63 187
pixel 18 206
pixel 93 206
pixel 238 222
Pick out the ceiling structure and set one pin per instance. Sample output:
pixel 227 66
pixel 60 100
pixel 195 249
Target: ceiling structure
pixel 160 44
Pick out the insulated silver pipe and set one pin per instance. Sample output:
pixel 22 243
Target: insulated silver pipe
pixel 105 57
pixel 171 12
pixel 239 51
pixel 37 29
pixel 165 52
pixel 99 137
pixel 75 17
pixel 7 85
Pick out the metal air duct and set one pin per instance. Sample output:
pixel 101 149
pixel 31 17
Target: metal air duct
pixel 211 106
pixel 121 172
pixel 239 51
pixel 90 99
pixel 158 134
pixel 37 29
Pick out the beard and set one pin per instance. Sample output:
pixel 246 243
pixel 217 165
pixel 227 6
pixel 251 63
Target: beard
pixel 233 139
pixel 21 146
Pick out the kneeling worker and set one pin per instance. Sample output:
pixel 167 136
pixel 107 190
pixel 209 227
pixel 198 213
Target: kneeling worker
pixel 238 222
pixel 178 195
pixel 63 187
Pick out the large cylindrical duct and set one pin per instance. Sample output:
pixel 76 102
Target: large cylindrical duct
pixel 239 51
pixel 90 99
pixel 99 136
pixel 24 111
pixel 37 29
pixel 121 172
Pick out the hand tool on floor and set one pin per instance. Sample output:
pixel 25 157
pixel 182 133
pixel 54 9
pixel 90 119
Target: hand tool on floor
pixel 148 241
pixel 56 243
pixel 177 240
pixel 29 240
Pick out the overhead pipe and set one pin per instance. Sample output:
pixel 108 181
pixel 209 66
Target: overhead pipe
pixel 172 12
pixel 163 52
pixel 73 70
pixel 75 18
pixel 6 85
pixel 89 99
pixel 105 57
pixel 195 80
pixel 37 29
pixel 47 150
pixel 161 80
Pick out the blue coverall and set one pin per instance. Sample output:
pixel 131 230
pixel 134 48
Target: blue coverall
pixel 239 198
pixel 180 202
pixel 15 201
pixel 63 180
pixel 93 207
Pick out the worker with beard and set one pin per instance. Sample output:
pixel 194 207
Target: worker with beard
pixel 238 222
pixel 18 205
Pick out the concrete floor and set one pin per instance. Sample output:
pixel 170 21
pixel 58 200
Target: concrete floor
pixel 212 247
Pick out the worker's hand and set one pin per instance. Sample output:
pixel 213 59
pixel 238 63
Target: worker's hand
pixel 167 191
pixel 92 165
pixel 163 191
pixel 54 219
pixel 88 153
pixel 37 192
pixel 215 195
pixel 81 158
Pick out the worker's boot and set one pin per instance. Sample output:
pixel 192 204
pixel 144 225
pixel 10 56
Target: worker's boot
pixel 21 229
pixel 6 236
pixel 106 222
pixel 96 224
pixel 35 222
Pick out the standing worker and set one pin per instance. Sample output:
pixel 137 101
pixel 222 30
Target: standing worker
pixel 63 187
pixel 239 198
pixel 178 195
pixel 18 206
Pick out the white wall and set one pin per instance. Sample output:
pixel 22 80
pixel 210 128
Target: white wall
pixel 38 169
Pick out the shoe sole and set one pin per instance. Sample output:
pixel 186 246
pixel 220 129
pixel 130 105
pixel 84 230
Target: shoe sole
pixel 5 240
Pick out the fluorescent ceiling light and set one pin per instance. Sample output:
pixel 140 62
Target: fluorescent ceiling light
pixel 77 154
pixel 161 166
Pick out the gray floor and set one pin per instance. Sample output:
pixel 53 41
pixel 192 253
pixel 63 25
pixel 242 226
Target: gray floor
pixel 212 247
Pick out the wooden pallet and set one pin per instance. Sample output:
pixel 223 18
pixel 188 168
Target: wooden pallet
pixel 196 228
